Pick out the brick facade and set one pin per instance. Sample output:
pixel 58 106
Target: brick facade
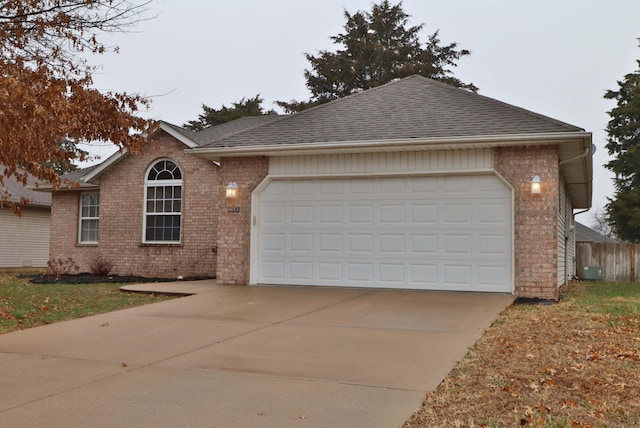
pixel 234 224
pixel 212 222
pixel 535 222
pixel 121 218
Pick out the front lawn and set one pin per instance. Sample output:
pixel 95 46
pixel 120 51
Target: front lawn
pixel 571 364
pixel 24 305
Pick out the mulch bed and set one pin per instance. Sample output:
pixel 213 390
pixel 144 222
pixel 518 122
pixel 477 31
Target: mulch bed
pixel 88 278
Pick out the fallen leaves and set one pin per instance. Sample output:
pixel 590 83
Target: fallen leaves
pixel 558 365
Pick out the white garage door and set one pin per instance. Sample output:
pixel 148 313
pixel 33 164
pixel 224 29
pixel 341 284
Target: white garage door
pixel 439 233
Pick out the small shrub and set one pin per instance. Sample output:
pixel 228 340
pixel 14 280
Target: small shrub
pixel 61 266
pixel 100 266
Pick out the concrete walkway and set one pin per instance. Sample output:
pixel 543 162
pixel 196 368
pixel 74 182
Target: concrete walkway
pixel 233 356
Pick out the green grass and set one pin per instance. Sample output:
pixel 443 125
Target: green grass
pixel 24 305
pixel 615 299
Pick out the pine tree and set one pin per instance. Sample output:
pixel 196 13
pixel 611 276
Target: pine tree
pixel 212 117
pixel 624 143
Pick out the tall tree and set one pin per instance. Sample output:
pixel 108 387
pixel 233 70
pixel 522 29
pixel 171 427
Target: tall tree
pixel 624 143
pixel 46 93
pixel 375 48
pixel 600 222
pixel 212 117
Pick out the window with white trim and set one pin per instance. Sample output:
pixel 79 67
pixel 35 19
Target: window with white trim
pixel 163 203
pixel 89 218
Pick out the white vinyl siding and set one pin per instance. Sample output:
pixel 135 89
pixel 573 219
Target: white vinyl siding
pixel 25 239
pixel 88 225
pixel 436 161
pixel 426 232
pixel 566 246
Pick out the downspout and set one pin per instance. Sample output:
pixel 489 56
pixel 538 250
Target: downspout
pixel 583 155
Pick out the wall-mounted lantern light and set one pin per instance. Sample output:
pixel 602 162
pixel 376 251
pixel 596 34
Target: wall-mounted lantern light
pixel 231 191
pixel 536 185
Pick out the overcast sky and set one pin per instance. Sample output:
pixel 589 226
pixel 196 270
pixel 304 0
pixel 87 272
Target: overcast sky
pixel 552 57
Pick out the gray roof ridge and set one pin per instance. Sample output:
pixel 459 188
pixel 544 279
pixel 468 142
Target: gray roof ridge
pixel 496 101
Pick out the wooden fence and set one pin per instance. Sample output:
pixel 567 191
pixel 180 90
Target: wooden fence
pixel 620 262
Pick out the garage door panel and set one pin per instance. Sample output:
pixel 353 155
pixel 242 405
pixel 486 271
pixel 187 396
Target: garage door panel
pixel 493 245
pixel 360 187
pixel 302 214
pixel 360 272
pixel 492 276
pixel 455 244
pixel 392 244
pixel 392 214
pixel 424 185
pixel 420 232
pixel 496 213
pixel 424 245
pixel 301 271
pixel 424 214
pixel 360 243
pixel 330 243
pixel 457 214
pixel 302 187
pixel 273 271
pixel 273 242
pixel 458 275
pixel 393 186
pixel 391 273
pixel 273 215
pixel 301 242
pixel 459 184
pixel 330 271
pixel 360 214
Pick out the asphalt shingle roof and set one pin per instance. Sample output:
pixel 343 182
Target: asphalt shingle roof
pixel 586 234
pixel 77 175
pixel 228 129
pixel 15 190
pixel 414 107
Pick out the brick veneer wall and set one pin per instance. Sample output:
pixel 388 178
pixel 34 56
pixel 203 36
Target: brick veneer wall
pixel 535 222
pixel 121 218
pixel 234 227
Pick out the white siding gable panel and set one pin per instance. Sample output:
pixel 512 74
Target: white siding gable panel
pixel 437 161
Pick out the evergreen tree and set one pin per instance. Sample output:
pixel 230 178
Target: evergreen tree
pixel 212 117
pixel 375 48
pixel 624 143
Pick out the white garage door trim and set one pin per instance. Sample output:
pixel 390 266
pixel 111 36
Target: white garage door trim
pixel 397 272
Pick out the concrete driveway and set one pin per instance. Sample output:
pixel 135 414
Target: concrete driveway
pixel 243 357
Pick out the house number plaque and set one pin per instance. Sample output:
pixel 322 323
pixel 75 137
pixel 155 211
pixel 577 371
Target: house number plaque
pixel 233 209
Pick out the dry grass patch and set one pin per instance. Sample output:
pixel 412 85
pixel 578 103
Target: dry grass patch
pixel 572 364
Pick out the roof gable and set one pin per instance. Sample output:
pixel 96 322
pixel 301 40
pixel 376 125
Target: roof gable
pixel 414 107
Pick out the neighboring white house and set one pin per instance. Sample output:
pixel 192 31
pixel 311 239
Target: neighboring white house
pixel 24 240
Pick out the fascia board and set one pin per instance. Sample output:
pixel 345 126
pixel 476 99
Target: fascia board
pixel 215 153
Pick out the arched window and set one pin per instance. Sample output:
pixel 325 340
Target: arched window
pixel 163 203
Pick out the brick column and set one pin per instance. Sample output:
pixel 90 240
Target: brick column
pixel 535 217
pixel 234 220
